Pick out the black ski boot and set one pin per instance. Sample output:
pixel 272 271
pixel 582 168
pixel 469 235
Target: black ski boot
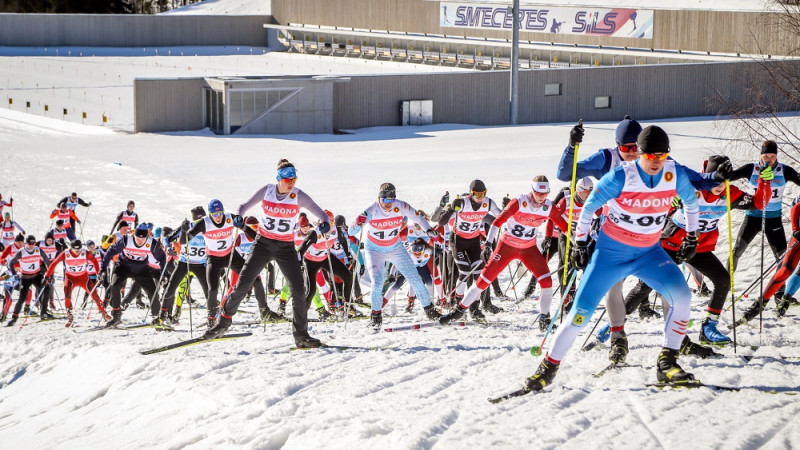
pixel 543 377
pixel 219 329
pixel 46 316
pixel 753 311
pixel 307 341
pixel 490 308
pixel 452 317
pixel 619 350
pixel 12 321
pixel 432 313
pixel 668 370
pixel 690 348
pixel 782 306
pixel 116 318
pixel 268 315
pixel 704 291
pixel 162 319
pixel 322 313
pixel 544 322
pixel 282 307
pixel 26 310
pixel 2 318
pixel 410 307
pixel 476 314
pixel 646 312
pixel 376 320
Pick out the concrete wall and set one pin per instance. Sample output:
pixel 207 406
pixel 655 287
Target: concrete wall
pixel 644 92
pixel 174 104
pixel 61 30
pixel 690 30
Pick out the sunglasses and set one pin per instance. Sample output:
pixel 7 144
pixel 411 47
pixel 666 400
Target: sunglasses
pixel 478 194
pixel 628 148
pixel 289 180
pixel 218 214
pixel 655 156
pixel 388 201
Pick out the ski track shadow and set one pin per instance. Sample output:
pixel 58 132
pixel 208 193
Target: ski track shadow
pixel 16 376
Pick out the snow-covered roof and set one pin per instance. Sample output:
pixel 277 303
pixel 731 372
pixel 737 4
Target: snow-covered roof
pixel 226 7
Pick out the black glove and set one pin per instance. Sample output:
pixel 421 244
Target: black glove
pixel 185 225
pixel 50 280
pixel 506 201
pixel 580 255
pixel 171 251
pixel 576 135
pixel 688 247
pixel 723 171
pixel 458 204
pixel 238 221
pixel 445 199
pixel 101 278
pixel 796 235
pixel 324 227
pixel 546 246
pixel 487 252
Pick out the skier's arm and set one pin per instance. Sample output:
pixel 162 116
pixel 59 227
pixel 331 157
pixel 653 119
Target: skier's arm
pixel 308 242
pixel 21 230
pixel 494 210
pixel 112 251
pixel 55 262
pixel 791 175
pixel 251 233
pixel 686 191
pixel 593 166
pixel 446 214
pixel 196 228
pixel 116 222
pixel 45 260
pixel 304 201
pixel 74 217
pixel 701 181
pixel 608 187
pixel 742 172
pixel 510 210
pixel 415 216
pixel 252 201
pixel 82 203
pixel 158 253
pixel 345 246
pixel 14 262
pixel 63 200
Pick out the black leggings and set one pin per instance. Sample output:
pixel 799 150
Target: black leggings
pixel 42 292
pixel 178 274
pixel 215 272
pixel 144 278
pixel 750 227
pixel 283 253
pixel 708 264
pixel 258 285
pixel 339 269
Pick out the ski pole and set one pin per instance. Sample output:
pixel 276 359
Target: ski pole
pixel 536 351
pixel 597 322
pixel 511 275
pixel 348 303
pixel 34 305
pixel 330 267
pixel 86 216
pixel 730 257
pixel 571 204
pixel 761 289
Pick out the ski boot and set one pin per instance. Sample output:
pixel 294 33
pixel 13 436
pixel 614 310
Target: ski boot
pixel 105 315
pixel 490 308
pixel 690 348
pixel 646 312
pixel 282 307
pixel 116 318
pixel 751 312
pixel 2 318
pixel 782 306
pixel 268 315
pixel 704 291
pixel 619 350
pixel 410 307
pixel 431 312
pixel 498 293
pixel 70 319
pixel 476 314
pixel 307 341
pixel 543 376
pixel 710 335
pixel 26 310
pixel 46 316
pixel 211 321
pixel 668 370
pixel 177 316
pixel 219 329
pixel 376 320
pixel 544 322
pixel 453 316
pixel 604 333
pixel 322 313
pixel 12 321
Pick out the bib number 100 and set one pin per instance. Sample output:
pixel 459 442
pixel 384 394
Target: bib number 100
pixel 644 221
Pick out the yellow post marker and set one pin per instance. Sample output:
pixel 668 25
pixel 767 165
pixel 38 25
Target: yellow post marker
pixel 730 257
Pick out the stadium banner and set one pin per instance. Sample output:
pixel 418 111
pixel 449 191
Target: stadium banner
pixel 614 22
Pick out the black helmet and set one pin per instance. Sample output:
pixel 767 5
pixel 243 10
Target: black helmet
pixel 76 244
pixel 477 186
pixel 31 239
pixel 340 221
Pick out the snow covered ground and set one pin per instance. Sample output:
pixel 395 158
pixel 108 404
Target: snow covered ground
pixel 229 7
pixel 60 389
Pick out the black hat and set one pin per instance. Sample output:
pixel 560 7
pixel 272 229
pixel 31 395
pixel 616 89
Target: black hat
pixel 477 186
pixel 714 161
pixel 627 131
pixel 653 139
pixel 59 222
pixel 122 224
pixel 340 221
pixel 131 202
pixel 387 191
pixel 769 147
pixel 31 239
pixel 49 235
pixel 76 244
pixel 20 238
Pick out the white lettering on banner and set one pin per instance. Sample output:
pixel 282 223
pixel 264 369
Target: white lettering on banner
pixel 647 203
pixel 612 22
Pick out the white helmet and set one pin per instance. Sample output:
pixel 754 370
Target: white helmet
pixel 584 184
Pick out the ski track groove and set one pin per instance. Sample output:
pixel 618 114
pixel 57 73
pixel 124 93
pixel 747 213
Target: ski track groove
pixel 635 408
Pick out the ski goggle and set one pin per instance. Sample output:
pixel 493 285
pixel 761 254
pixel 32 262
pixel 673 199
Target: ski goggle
pixel 287 173
pixel 655 156
pixel 388 201
pixel 418 248
pixel 628 148
pixel 478 195
pixel 217 215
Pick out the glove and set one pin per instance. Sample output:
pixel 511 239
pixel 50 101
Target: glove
pixel 89 204
pixel 324 227
pixel 677 203
pixel 361 220
pixel 185 225
pixel 171 251
pixel 546 246
pixel 576 135
pixel 766 174
pixel 445 199
pixel 506 201
pixel 580 255
pixel 723 171
pixel 796 235
pixel 688 247
pixel 238 221
pixel 50 280
pixel 431 233
pixel 101 277
pixel 361 271
pixel 458 204
pixel 486 253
